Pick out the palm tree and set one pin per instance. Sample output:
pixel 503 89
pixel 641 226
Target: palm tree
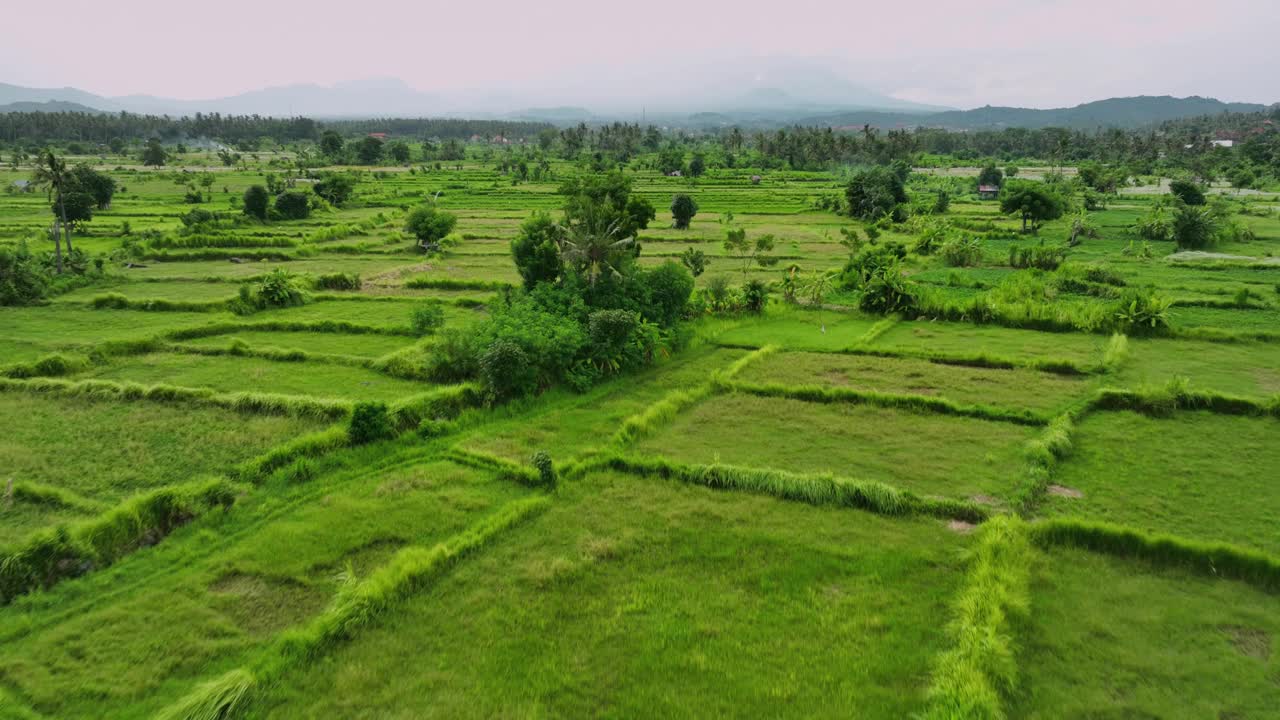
pixel 816 290
pixel 593 246
pixel 51 172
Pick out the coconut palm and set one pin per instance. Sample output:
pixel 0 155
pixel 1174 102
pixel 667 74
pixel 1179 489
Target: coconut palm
pixel 51 173
pixel 815 290
pixel 593 246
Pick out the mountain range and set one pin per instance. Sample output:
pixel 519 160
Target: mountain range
pixel 814 101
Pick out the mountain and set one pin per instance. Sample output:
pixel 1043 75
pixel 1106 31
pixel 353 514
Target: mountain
pixel 28 106
pixel 1127 113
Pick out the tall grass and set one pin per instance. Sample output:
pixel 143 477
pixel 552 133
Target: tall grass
pixel 1176 395
pixel 441 403
pixel 1042 454
pixel 246 402
pixel 35 493
pixel 741 363
pixel 505 469
pixel 1057 366
pixel 424 282
pixel 814 489
pixel 912 403
pixel 117 301
pixel 307 446
pixel 52 555
pixel 1116 353
pixel 659 413
pixel 1213 559
pixel 972 678
pixel 357 605
pixel 51 365
pixel 881 327
pixel 323 326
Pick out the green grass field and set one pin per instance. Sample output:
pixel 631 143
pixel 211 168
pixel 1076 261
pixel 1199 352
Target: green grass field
pixel 420 575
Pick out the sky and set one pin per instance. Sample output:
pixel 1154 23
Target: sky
pixel 1028 53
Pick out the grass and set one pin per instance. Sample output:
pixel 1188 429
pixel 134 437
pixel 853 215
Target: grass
pixel 962 338
pixel 104 451
pixel 1109 637
pixel 227 373
pixel 654 595
pixel 1179 475
pixel 929 454
pixel 363 345
pixel 1246 368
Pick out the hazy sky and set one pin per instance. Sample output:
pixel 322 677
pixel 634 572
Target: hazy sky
pixel 1037 53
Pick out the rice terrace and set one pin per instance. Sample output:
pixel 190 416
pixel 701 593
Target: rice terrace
pixel 519 416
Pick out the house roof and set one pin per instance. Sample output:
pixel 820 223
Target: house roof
pixel 988 188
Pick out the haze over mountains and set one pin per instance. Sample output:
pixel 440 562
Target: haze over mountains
pixel 745 96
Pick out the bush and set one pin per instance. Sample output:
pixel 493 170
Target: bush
pixel 886 290
pixel 962 252
pixel 293 205
pixel 429 226
pixel 874 193
pixel 1194 228
pixel 546 469
pixel 755 295
pixel 1188 192
pixel 536 250
pixel 256 202
pixel 338 281
pixel 683 208
pixel 667 288
pixel 22 280
pixel 506 370
pixel 1142 312
pixel 278 288
pixel 426 318
pixel 1041 257
pixel 370 422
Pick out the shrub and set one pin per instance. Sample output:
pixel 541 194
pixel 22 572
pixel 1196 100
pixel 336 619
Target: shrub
pixel 278 288
pixel 874 193
pixel 683 208
pixel 962 252
pixel 430 226
pixel 293 205
pixel 1194 228
pixel 546 469
pixel 256 202
pixel 887 290
pixel 22 280
pixel 667 288
pixel 1142 312
pixel 536 250
pixel 1188 192
pixel 370 422
pixel 426 318
pixel 338 281
pixel 506 371
pixel 1041 257
pixel 719 294
pixel 755 295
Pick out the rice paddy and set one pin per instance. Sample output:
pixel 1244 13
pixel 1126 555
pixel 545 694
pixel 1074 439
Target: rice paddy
pixel 811 511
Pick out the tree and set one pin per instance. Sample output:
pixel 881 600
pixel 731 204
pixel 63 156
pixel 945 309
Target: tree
pixel 100 186
pixel 1035 202
pixel 606 200
pixel 1012 171
pixel 51 173
pixel 536 250
pixel 369 151
pixel 815 290
pixel 256 202
pixel 670 159
pixel 399 151
pixel 75 208
pixel 293 205
pixel 153 155
pixel 698 165
pixel 331 144
pixel 21 280
pixel 874 193
pixel 683 208
pixel 429 225
pixel 990 175
pixel 1194 227
pixel 1188 192
pixel 736 243
pixel 595 245
pixel 695 260
pixel 335 188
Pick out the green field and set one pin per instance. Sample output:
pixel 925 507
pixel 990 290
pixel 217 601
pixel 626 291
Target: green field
pixel 815 508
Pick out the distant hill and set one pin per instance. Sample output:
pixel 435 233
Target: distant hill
pixel 1127 113
pixel 47 106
